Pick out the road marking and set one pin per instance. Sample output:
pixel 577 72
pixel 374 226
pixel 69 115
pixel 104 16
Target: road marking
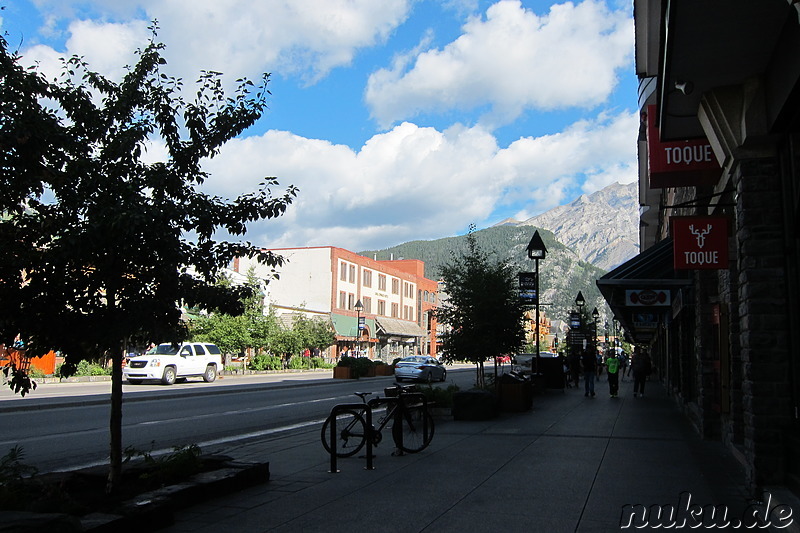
pixel 212 442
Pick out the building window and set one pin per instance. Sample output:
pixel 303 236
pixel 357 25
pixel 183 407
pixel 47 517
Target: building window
pixel 352 273
pixel 343 271
pixel 367 301
pixel 381 282
pixel 395 286
pixel 350 301
pixel 395 311
pixel 342 300
pixel 382 307
pixel 368 278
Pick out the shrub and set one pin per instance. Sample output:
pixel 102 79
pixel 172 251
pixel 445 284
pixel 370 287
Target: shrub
pixel 359 366
pixel 266 362
pixel 441 396
pixel 319 362
pixel 35 373
pixel 299 363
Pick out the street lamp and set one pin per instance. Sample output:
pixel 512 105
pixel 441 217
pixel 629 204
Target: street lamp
pixel 359 326
pixel 579 303
pixel 537 251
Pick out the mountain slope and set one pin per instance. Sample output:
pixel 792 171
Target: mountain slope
pixel 562 273
pixel 602 227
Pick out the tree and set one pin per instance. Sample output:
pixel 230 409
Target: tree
pixel 235 334
pixel 315 333
pixel 100 247
pixel 482 309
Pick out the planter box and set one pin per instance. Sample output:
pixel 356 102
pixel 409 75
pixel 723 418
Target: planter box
pixel 384 370
pixel 474 405
pixel 516 397
pixel 342 372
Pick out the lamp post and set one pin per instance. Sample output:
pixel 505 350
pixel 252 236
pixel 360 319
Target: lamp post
pixel 579 303
pixel 537 251
pixel 608 343
pixel 359 326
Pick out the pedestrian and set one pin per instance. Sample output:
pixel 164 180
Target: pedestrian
pixel 623 365
pixel 589 361
pixel 575 368
pixel 641 369
pixel 612 367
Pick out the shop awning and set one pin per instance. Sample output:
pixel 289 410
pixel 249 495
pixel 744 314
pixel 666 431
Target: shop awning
pixel 644 290
pixel 399 328
pixel 347 326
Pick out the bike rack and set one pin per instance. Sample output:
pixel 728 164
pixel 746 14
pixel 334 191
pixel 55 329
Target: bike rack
pixel 367 409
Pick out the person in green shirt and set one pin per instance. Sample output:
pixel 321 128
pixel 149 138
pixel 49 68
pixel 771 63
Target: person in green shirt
pixel 612 366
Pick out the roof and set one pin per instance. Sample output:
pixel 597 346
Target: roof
pixel 650 270
pixel 401 328
pixel 347 326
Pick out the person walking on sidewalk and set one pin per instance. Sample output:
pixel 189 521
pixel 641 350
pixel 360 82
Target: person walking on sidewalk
pixel 589 362
pixel 612 366
pixel 640 365
pixel 575 368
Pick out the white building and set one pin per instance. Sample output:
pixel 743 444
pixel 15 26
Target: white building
pixel 396 299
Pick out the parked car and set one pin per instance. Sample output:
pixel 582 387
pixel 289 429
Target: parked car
pixel 420 367
pixel 169 362
pixel 523 362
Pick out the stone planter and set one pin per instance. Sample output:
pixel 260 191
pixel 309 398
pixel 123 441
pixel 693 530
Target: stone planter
pixel 342 372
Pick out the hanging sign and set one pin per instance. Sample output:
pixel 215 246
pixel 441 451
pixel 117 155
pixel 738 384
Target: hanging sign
pixel 679 163
pixel 700 243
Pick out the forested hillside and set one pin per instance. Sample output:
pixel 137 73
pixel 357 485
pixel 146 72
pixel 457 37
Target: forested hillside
pixel 562 273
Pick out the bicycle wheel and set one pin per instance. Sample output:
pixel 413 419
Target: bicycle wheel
pixel 413 431
pixel 350 433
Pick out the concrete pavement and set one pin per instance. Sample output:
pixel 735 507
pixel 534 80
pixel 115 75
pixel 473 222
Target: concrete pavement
pixel 570 464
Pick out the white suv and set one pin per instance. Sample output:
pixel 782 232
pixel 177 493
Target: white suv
pixel 168 362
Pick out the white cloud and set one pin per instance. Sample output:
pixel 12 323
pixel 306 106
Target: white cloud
pixel 307 38
pixel 512 60
pixel 419 183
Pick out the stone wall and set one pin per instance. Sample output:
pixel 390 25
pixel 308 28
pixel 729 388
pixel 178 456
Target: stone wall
pixel 763 335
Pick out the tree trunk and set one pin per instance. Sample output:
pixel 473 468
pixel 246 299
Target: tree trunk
pixel 115 422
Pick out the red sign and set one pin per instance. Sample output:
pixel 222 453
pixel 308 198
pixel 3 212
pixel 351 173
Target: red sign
pixel 700 243
pixel 679 163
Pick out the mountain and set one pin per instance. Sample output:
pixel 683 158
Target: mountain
pixel 561 274
pixel 602 227
pixel 584 239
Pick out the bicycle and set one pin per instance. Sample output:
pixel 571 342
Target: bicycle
pixel 412 424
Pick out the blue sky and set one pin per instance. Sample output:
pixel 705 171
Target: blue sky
pixel 398 120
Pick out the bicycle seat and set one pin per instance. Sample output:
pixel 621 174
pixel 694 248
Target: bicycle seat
pixel 362 395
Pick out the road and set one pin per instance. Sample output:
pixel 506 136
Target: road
pixel 65 426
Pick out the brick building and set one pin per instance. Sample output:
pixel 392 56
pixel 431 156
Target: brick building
pixel 397 300
pixel 714 293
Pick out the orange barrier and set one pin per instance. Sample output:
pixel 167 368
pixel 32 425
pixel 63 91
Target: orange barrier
pixel 10 355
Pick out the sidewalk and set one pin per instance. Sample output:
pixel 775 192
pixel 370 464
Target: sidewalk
pixel 570 464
